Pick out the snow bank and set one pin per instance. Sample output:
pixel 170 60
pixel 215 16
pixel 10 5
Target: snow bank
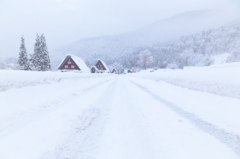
pixel 221 79
pixel 16 78
pixel 221 58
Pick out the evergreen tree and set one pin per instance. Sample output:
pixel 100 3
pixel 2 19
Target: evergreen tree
pixel 45 60
pixel 40 59
pixel 23 62
pixel 35 58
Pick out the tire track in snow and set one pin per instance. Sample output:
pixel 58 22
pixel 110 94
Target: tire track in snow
pixel 83 140
pixel 126 135
pixel 28 118
pixel 229 139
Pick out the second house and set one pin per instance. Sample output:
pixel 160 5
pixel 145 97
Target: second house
pixel 100 67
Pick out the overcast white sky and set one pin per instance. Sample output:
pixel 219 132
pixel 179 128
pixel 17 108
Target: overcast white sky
pixel 66 21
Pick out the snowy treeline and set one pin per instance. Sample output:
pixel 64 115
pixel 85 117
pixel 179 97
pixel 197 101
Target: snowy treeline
pixel 197 49
pixel 39 60
pixel 9 63
pixel 192 50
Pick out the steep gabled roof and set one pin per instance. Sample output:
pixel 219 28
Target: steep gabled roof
pixel 107 69
pixel 79 62
pixel 114 70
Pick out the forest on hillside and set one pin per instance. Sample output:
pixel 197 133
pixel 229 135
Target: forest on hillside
pixel 193 50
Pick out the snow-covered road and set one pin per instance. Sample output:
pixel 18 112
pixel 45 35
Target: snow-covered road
pixel 117 117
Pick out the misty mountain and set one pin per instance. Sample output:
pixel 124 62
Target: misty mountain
pixel 114 48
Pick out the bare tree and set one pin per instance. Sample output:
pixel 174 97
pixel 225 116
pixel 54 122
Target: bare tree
pixel 145 59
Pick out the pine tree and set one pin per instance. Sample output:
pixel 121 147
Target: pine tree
pixel 35 58
pixel 40 59
pixel 23 62
pixel 45 60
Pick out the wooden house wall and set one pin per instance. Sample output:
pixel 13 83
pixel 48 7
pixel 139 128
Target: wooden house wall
pixel 69 64
pixel 100 66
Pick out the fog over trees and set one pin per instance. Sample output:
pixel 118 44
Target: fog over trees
pixel 38 61
pixel 193 50
pixel 145 59
pixel 9 63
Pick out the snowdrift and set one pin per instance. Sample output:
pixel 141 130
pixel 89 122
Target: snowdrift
pixel 223 79
pixel 16 78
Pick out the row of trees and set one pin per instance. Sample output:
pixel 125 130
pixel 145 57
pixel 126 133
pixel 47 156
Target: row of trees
pixel 143 60
pixel 193 50
pixel 39 60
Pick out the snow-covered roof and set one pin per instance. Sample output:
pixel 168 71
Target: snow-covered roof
pixel 79 62
pixel 107 69
pixel 94 67
pixel 61 63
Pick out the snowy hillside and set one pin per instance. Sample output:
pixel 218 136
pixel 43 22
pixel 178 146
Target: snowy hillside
pixel 116 48
pixel 182 25
pixel 185 114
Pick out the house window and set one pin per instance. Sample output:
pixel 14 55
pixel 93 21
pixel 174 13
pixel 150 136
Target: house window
pixel 66 66
pixel 72 66
pixel 69 62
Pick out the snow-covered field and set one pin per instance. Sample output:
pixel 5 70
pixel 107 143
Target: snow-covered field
pixel 186 114
pixel 16 79
pixel 221 79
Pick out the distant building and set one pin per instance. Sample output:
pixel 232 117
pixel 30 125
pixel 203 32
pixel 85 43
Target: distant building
pixel 94 69
pixel 73 63
pixel 114 71
pixel 130 71
pixel 102 67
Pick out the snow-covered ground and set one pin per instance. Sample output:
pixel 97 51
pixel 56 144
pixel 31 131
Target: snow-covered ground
pixel 16 79
pixel 222 79
pixel 56 115
pixel 221 58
